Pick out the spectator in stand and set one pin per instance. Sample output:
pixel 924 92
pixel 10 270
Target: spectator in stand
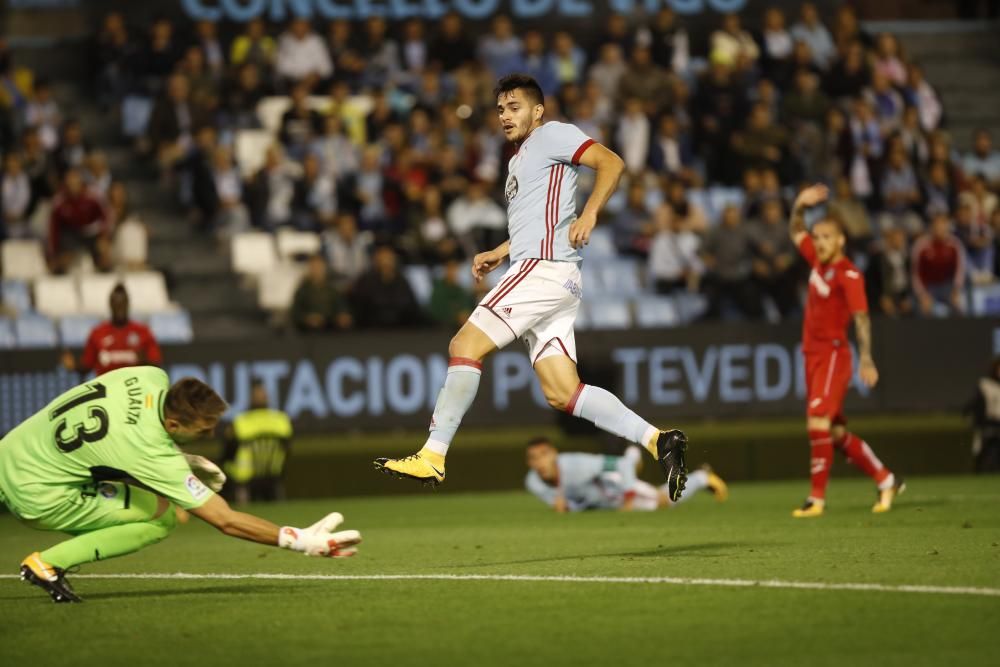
pixel 368 186
pixel 913 138
pixel 867 143
pixel 39 167
pixel 762 144
pixel 667 41
pixel 96 174
pixel 690 216
pixel 633 136
pixel 73 149
pixel 300 124
pixel 938 269
pixel 896 297
pixel 981 201
pixel 380 54
pixel 888 60
pixel 976 236
pixel 413 50
pixel 920 94
pixel 302 56
pixel 348 251
pixel 382 296
pixel 450 304
pixel 900 194
pixel 202 83
pixel 254 47
pixel 849 74
pixel 348 65
pixel 158 58
pixel 241 97
pixel 78 223
pixel 674 261
pixel 270 193
pixel 646 81
pixel 983 159
pixel 617 31
pixel 811 31
pixel 568 60
pixel 728 258
pixel 314 202
pixel 318 306
pixel 776 56
pixel 939 193
pixel 887 103
pixel 852 215
pixel 116 343
pixel 806 103
pixel 43 114
pixel 231 216
pixel 608 71
pixel 207 41
pixel 633 227
pixel 536 63
pixel 733 42
pixel 500 51
pixel 173 123
pixel 719 107
pixel 477 220
pixel 114 55
pixel 15 197
pixel 452 47
pixel 671 151
pixel 338 155
pixel 774 258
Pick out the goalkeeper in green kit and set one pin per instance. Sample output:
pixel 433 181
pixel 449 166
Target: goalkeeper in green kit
pixel 101 463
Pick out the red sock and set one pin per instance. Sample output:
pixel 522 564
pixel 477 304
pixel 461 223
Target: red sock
pixel 861 456
pixel 821 446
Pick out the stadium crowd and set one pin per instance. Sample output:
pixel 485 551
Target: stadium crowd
pixel 389 147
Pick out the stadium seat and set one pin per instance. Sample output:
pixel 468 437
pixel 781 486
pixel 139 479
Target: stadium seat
pixel 136 111
pixel 620 278
pixel 95 290
pixel 421 282
pixel 293 245
pixel 609 314
pixel 172 328
pixel 700 198
pixel 601 245
pixel 653 312
pixel 986 300
pixel 57 296
pixel 251 150
pixel 17 295
pixel 74 329
pixel 253 253
pixel 147 292
pixel 720 197
pixel 35 331
pixel 131 243
pixel 276 288
pixel 690 306
pixel 23 259
pixel 8 339
pixel 270 110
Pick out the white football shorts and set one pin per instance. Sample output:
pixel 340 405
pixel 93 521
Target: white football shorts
pixel 537 301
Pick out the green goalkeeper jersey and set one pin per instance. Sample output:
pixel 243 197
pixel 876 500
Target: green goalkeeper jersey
pixel 108 428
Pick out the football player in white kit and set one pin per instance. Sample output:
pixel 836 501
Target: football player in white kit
pixel 538 298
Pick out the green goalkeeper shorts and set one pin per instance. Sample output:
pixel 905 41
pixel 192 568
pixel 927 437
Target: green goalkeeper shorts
pixel 80 509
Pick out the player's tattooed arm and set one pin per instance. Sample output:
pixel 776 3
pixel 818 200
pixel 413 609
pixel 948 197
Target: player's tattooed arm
pixel 866 365
pixel 809 197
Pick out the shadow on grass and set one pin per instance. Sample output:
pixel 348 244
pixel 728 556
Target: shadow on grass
pixel 237 588
pixel 704 550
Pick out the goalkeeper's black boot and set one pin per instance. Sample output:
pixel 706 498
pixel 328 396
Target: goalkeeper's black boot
pixel 670 449
pixel 36 571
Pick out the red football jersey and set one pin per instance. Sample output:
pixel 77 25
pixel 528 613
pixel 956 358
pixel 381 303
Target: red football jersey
pixel 836 293
pixel 110 347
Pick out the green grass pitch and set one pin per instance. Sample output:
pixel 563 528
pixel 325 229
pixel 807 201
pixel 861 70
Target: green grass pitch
pixel 945 532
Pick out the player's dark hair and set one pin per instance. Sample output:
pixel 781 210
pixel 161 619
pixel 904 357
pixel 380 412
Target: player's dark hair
pixel 190 400
pixel 119 288
pixel 522 82
pixel 538 440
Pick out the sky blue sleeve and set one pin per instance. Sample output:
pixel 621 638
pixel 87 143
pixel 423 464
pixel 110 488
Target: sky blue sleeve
pixel 547 494
pixel 565 142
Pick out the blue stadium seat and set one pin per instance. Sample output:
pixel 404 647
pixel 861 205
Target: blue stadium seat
pixel 74 329
pixel 601 246
pixel 699 198
pixel 986 300
pixel 609 314
pixel 8 340
pixel 419 277
pixel 653 312
pixel 617 278
pixel 17 295
pixel 172 327
pixel 720 197
pixel 35 331
pixel 690 306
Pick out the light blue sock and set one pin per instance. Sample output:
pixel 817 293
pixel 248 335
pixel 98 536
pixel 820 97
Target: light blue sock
pixel 604 409
pixel 453 401
pixel 696 481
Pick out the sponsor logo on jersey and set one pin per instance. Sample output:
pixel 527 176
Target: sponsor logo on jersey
pixel 108 490
pixel 195 487
pixel 133 339
pixel 510 190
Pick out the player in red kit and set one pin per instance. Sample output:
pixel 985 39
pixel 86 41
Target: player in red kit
pixel 117 343
pixel 836 298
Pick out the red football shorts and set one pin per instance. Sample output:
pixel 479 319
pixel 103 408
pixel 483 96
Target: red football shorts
pixel 828 375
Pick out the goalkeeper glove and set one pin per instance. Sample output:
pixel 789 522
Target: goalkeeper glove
pixel 319 538
pixel 209 473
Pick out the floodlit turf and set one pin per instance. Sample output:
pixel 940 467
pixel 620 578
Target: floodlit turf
pixel 944 532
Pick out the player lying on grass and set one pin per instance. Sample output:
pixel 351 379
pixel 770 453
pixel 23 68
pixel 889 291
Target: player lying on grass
pixel 572 482
pixel 836 297
pixel 538 298
pixel 101 463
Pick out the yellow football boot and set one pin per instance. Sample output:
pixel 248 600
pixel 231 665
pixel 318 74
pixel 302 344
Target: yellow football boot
pixel 811 508
pixel 424 466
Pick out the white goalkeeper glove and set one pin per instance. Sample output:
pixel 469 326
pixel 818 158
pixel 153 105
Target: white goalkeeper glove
pixel 319 538
pixel 209 473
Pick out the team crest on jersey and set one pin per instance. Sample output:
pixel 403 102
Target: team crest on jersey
pixel 108 490
pixel 133 340
pixel 510 190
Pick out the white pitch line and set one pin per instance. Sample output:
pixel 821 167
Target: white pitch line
pixel 675 581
